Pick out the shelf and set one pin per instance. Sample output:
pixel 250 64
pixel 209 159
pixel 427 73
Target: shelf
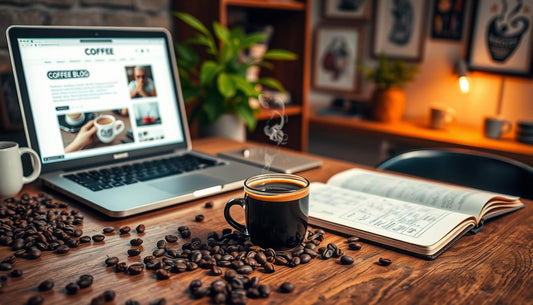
pixel 266 114
pixel 269 4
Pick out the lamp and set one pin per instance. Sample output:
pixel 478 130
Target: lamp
pixel 464 80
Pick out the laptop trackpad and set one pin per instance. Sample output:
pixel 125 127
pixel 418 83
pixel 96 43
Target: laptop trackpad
pixel 187 184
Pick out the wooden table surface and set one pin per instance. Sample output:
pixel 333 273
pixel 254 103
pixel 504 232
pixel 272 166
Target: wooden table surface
pixel 491 267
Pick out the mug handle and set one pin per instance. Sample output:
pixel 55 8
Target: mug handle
pixel 35 162
pixel 120 126
pixel 229 219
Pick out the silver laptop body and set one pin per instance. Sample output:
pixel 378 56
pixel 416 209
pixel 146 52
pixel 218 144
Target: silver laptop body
pixel 100 97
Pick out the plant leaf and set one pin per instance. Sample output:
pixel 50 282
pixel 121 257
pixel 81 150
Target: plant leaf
pixel 221 32
pixel 193 22
pixel 245 86
pixel 272 83
pixel 208 72
pixel 226 86
pixel 277 54
pixel 252 39
pixel 186 56
pixel 245 112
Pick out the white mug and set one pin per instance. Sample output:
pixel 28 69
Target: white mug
pixel 495 127
pixel 108 127
pixel 440 116
pixel 11 175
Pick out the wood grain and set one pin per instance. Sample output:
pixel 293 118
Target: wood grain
pixel 492 267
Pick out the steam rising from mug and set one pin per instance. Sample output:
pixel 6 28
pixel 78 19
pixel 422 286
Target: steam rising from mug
pixel 273 129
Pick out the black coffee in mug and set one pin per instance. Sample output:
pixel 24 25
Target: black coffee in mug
pixel 276 209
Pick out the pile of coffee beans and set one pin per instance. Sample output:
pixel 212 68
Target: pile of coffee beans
pixel 234 288
pixel 32 224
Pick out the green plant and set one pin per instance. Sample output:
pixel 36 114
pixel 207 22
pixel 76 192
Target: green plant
pixel 389 73
pixel 215 81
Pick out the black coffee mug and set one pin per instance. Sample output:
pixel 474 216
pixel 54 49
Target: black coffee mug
pixel 276 208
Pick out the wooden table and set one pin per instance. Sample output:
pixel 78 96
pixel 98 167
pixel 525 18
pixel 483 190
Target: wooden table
pixel 418 133
pixel 492 267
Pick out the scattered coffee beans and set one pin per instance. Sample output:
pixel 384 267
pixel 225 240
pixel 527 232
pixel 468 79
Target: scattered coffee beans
pixel 199 218
pixel 132 302
pixel 354 246
pixel 136 242
pixel 85 239
pixel 35 300
pixel 5 266
pixel 346 260
pixel 46 285
pixel 72 288
pixel 111 261
pixel 85 281
pixel 124 230
pixel 140 228
pixel 171 238
pixel 108 230
pixel 98 237
pixel 162 274
pixel 209 204
pixel 384 261
pixel 286 287
pixel 134 252
pixel 109 295
pixel 62 249
pixel 161 301
pixel 15 273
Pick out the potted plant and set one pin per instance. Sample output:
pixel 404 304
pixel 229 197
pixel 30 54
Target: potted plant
pixel 215 81
pixel 389 76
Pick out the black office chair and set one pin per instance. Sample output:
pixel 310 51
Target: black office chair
pixel 466 167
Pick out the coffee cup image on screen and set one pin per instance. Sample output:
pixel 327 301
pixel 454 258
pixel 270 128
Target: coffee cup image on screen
pixel 140 81
pixel 107 127
pixel 147 114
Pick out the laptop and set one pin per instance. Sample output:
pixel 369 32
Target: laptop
pixel 103 109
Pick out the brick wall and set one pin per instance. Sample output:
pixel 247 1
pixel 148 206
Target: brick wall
pixel 83 13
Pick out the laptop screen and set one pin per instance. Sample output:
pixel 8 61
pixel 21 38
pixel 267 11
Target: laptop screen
pixel 99 96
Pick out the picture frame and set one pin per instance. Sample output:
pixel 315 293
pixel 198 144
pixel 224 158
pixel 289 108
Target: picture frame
pixel 447 19
pixel 337 50
pixel 10 114
pixel 349 10
pixel 501 38
pixel 399 29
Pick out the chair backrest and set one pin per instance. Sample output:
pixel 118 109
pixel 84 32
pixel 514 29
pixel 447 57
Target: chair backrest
pixel 466 167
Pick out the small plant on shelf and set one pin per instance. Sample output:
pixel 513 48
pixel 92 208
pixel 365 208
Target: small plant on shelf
pixel 215 81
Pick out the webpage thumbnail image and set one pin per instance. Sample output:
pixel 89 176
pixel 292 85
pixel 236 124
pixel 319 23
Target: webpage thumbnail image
pixel 89 130
pixel 140 81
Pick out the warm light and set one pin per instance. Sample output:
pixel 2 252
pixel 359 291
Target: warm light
pixel 464 84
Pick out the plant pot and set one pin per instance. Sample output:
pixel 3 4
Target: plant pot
pixel 227 126
pixel 388 104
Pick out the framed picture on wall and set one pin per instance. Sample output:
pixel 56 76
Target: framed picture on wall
pixel 447 19
pixel 10 115
pixel 357 10
pixel 337 50
pixel 501 40
pixel 399 27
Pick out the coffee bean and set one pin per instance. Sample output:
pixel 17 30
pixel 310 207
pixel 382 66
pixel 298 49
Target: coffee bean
pixel 352 239
pixel 109 295
pixel 216 270
pixel 269 268
pixel 72 288
pixel 98 237
pixel 134 252
pixel 199 218
pixel 346 260
pixel 108 230
pixel 286 287
pixel 384 261
pixel 354 246
pixel 34 253
pixel 124 230
pixel 136 242
pixel 158 252
pixel 46 285
pixel 245 270
pixel 162 274
pixel 85 239
pixel 295 261
pixel 135 268
pixel 15 273
pixel 209 204
pixel 305 258
pixel 111 261
pixel 5 266
pixel 35 300
pixel 132 302
pixel 140 228
pixel 3 278
pixel 327 254
pixel 264 291
pixel 279 260
pixel 62 249
pixel 219 298
pixel 185 233
pixel 85 281
pixel 238 298
pixel 121 267
pixel 171 238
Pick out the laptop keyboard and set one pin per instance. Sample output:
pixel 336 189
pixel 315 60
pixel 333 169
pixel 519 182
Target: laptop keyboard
pixel 107 178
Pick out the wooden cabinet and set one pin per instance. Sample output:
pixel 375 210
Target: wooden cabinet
pixel 291 22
